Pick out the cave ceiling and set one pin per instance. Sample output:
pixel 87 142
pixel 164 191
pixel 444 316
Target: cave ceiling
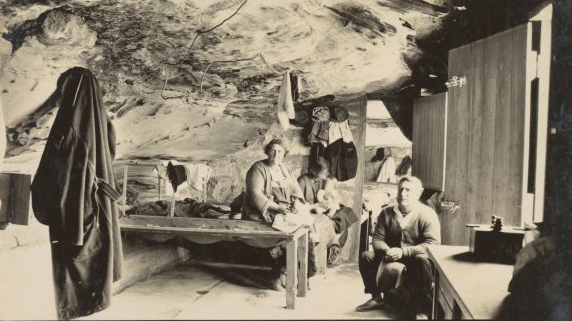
pixel 151 56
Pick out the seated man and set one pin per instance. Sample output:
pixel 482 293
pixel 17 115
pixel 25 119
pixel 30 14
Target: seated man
pixel 399 244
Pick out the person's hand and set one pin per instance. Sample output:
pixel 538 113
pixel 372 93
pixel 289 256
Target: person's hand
pixel 281 210
pixel 394 254
pixel 298 205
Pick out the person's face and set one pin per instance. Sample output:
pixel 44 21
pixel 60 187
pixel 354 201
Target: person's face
pixel 386 152
pixel 323 174
pixel 276 154
pixel 407 193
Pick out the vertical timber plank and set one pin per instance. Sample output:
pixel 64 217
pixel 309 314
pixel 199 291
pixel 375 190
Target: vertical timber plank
pixel 475 80
pixel 503 125
pixel 485 193
pixel 516 187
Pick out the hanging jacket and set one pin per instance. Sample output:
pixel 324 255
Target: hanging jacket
pixel 343 160
pixel 74 193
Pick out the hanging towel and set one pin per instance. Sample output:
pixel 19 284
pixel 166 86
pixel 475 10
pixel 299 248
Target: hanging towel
pixel 285 108
pixel 340 131
pixel 198 175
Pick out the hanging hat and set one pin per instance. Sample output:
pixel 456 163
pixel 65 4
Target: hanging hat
pixel 339 114
pixel 301 118
pixel 320 114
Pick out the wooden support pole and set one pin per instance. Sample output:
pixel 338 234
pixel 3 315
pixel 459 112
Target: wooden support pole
pixel 172 214
pixel 159 186
pixel 125 189
pixel 321 251
pixel 303 265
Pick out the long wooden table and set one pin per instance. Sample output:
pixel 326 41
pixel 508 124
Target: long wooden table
pixel 465 288
pixel 234 230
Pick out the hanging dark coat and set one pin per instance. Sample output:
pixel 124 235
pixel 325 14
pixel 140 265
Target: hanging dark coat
pixel 74 193
pixel 343 160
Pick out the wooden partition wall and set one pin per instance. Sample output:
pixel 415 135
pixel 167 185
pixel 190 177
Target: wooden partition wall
pixel 429 138
pixel 487 134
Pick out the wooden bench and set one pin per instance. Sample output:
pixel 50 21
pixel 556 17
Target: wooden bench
pixel 213 230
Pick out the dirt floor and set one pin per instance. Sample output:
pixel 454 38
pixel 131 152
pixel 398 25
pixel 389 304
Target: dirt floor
pixel 185 292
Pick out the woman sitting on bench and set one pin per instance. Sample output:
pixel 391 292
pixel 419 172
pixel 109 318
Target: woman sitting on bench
pixel 271 192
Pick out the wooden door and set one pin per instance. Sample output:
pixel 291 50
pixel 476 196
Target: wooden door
pixel 486 120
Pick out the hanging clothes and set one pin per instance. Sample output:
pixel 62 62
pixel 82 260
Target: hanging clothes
pixel 387 171
pixel 198 175
pixel 296 86
pixel 74 193
pixel 320 133
pixel 340 130
pixel 177 175
pixel 285 107
pixel 342 157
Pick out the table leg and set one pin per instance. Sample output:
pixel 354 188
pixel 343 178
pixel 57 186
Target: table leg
pixel 303 265
pixel 291 272
pixel 321 252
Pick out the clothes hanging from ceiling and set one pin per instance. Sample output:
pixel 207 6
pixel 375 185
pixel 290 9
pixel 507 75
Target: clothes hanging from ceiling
pixel 74 193
pixel 177 175
pixel 340 130
pixel 285 107
pixel 387 171
pixel 341 151
pixel 198 175
pixel 343 160
pixel 296 85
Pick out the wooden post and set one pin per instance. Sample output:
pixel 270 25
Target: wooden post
pixel 321 251
pixel 125 188
pixel 172 214
pixel 159 186
pixel 204 191
pixel 291 272
pixel 303 265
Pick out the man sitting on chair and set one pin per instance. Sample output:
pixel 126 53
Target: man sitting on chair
pixel 398 263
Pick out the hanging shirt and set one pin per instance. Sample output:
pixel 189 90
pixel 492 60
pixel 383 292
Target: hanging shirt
pixel 340 130
pixel 387 171
pixel 198 175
